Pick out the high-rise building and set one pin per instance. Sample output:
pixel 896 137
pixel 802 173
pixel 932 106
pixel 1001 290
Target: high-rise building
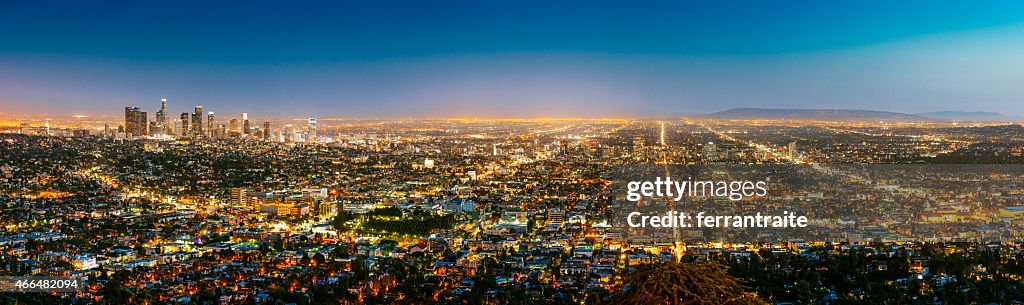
pixel 288 132
pixel 266 130
pixel 312 129
pixel 791 149
pixel 135 122
pixel 197 122
pixel 184 124
pixel 161 117
pixel 711 152
pixel 211 126
pixel 140 119
pixel 233 127
pixel 245 123
pixel 238 196
pixel 155 128
pixel 129 119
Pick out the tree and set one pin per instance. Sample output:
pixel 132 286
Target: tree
pixel 683 283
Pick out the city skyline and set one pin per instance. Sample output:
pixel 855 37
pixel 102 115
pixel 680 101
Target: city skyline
pixel 597 59
pixel 809 114
pixel 192 125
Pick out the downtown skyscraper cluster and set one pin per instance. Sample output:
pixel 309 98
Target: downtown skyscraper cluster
pixel 197 124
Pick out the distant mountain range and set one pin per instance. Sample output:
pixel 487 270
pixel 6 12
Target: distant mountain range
pixel 979 116
pixel 855 115
pixel 814 114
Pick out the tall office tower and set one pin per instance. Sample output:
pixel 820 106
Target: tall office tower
pixel 161 116
pixel 312 130
pixel 266 130
pixel 210 125
pixel 106 129
pixel 197 122
pixel 245 123
pixel 792 149
pixel 233 127
pixel 129 119
pixel 288 132
pixel 167 116
pixel 135 121
pixel 184 124
pixel 142 122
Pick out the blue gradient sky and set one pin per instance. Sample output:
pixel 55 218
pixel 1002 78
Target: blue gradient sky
pixel 510 58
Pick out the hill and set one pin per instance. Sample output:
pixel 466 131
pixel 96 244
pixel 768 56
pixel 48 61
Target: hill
pixel 978 116
pixel 814 114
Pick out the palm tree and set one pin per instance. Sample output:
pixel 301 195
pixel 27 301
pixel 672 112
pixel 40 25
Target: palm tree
pixel 683 283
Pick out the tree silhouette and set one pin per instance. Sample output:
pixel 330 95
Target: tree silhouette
pixel 683 283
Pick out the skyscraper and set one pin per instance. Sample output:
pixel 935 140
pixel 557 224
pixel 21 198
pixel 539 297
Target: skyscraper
pixel 129 119
pixel 197 122
pixel 266 130
pixel 140 120
pixel 135 122
pixel 312 129
pixel 233 128
pixel 184 124
pixel 161 117
pixel 245 123
pixel 210 125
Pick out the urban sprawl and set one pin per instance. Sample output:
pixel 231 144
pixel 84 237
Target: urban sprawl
pixel 199 208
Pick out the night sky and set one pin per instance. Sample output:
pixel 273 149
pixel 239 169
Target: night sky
pixel 509 58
